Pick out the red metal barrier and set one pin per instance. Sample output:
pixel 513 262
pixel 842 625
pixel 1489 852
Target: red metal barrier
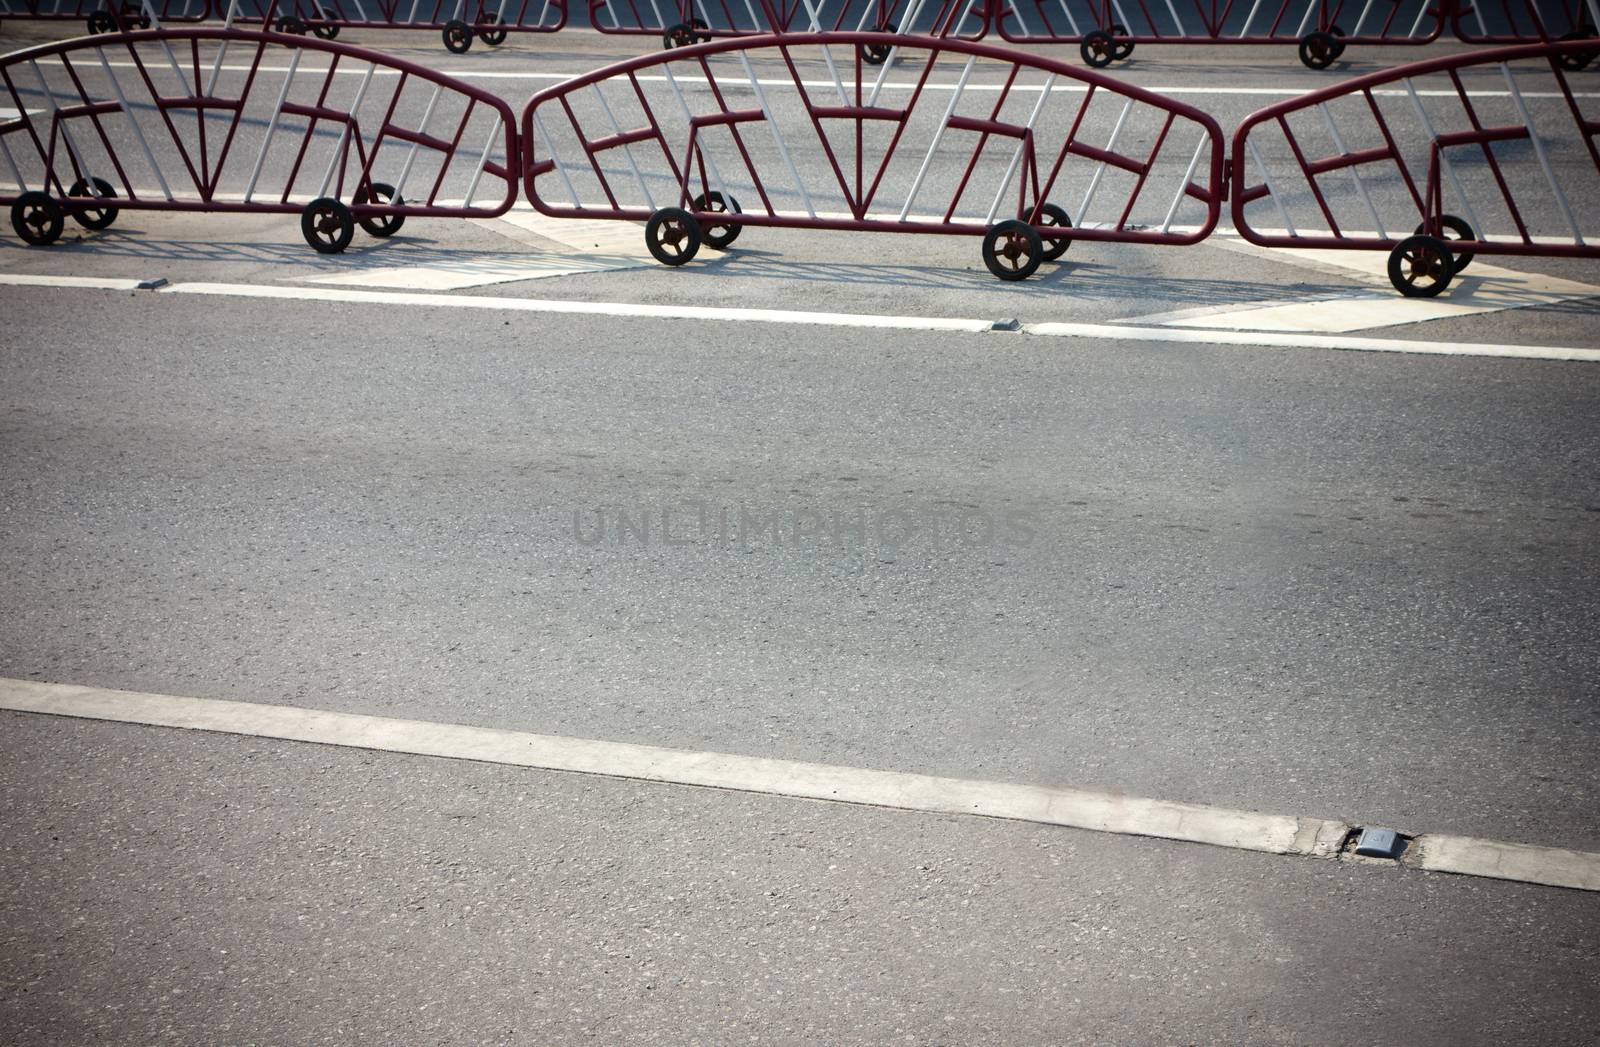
pixel 221 120
pixel 679 23
pixel 673 139
pixel 1526 21
pixel 1421 163
pixel 458 22
pixel 108 16
pixel 1108 30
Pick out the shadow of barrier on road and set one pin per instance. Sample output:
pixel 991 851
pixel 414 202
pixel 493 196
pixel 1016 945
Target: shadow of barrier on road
pixel 1025 152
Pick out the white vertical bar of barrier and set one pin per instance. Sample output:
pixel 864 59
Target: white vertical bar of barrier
pixel 344 131
pixel 422 130
pixel 1444 161
pixel 1544 159
pixel 138 131
pixel 772 124
pixel 1266 179
pixel 1111 147
pixel 627 151
pixel 1016 154
pixel 1183 186
pixel 938 135
pixel 538 125
pixel 272 126
pixel 1361 187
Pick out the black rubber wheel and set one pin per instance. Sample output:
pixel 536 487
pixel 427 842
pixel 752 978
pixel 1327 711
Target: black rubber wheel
pixel 1012 250
pixel 701 34
pixel 1098 49
pixel 291 26
pixel 99 217
pixel 380 224
pixel 1338 44
pixel 1319 50
pixel 325 32
pixel 457 36
pixel 489 31
pixel 1449 223
pixel 672 235
pixel 1053 215
pixel 1123 49
pixel 1421 266
pixel 102 22
pixel 327 226
pixel 1572 63
pixel 720 237
pixel 677 35
pixel 37 218
pixel 877 54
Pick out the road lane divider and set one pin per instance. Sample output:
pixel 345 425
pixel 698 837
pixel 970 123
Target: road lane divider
pixel 897 790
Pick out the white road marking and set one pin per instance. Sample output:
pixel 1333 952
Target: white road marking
pixel 892 85
pixel 581 234
pixel 1045 805
pixel 99 283
pixel 617 309
pixel 1481 288
pixel 1100 332
pixel 502 269
pixel 1284 340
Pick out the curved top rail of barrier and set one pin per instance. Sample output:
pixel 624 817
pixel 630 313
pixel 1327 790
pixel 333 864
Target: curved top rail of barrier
pixel 1496 145
pixel 211 119
pixel 822 139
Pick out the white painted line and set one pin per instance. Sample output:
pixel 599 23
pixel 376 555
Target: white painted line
pixel 501 270
pixel 617 309
pixel 892 85
pixel 1281 340
pixel 896 790
pixel 1101 812
pixel 98 283
pixel 1508 861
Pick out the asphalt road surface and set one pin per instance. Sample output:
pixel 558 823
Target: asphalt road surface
pixel 916 529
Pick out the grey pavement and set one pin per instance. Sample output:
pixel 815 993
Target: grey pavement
pixel 1295 581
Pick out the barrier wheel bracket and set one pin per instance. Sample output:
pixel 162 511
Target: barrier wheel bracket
pixel 1098 49
pixel 327 226
pixel 381 224
pixel 37 218
pixel 457 36
pixel 1055 215
pixel 1449 223
pixel 1012 250
pixel 97 217
pixel 1421 266
pixel 720 237
pixel 672 235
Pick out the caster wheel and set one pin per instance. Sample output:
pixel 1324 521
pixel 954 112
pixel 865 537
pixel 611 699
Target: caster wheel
pixel 488 31
pixel 102 22
pixel 99 217
pixel 720 237
pixel 877 54
pixel 1421 266
pixel 1098 49
pixel 700 28
pixel 1123 49
pixel 1319 50
pixel 380 224
pixel 678 35
pixel 291 26
pixel 37 218
pixel 1572 63
pixel 1448 224
pixel 1012 250
pixel 325 32
pixel 457 36
pixel 672 235
pixel 1051 215
pixel 327 226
